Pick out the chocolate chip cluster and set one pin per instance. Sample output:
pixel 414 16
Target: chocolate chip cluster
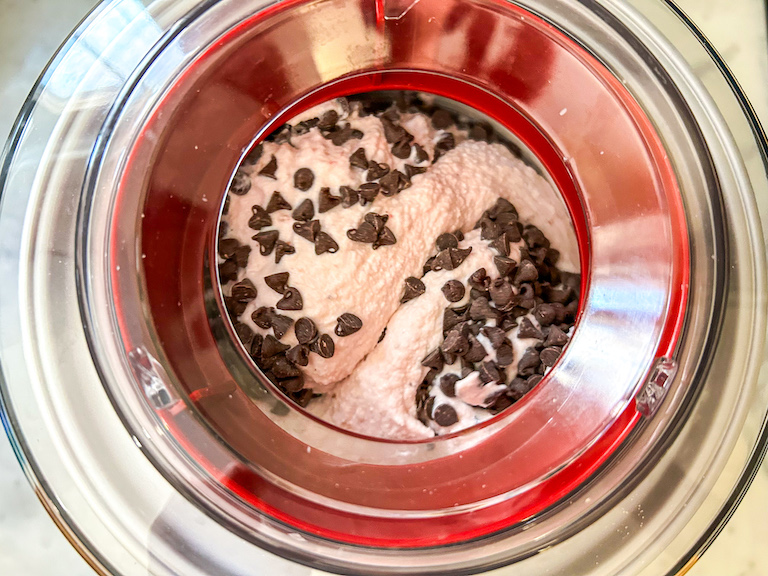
pixel 529 299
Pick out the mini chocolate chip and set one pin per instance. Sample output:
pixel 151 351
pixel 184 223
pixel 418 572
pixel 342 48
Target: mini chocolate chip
pixel 427 265
pixel 368 192
pixel 505 355
pixel 291 300
pixel 349 196
pixel 514 232
pixel 455 343
pixel 479 133
pixel 441 119
pixel 517 388
pixel 529 362
pixel 341 136
pixel 277 281
pixel 376 170
pixel 489 372
pixel 450 258
pixel 533 380
pixel 526 272
pixel 489 230
pixel 507 322
pixel 304 211
pixel 303 397
pixel 324 243
pixel 254 156
pixel 528 330
pixel 305 126
pixel 571 309
pixel 299 355
pixel 281 249
pixel 281 135
pixel 262 317
pixel 228 246
pixel 277 202
pixel 495 334
pixel 476 350
pixel 550 355
pixel 323 346
pixel 433 360
pixel 413 289
pixel 240 256
pixel 386 238
pixel 280 325
pixel 328 120
pixel 480 309
pixel 255 350
pixel 538 255
pixel 402 149
pixel 241 183
pixel 534 237
pixel 559 295
pixel 293 385
pixel 445 415
pixel 446 240
pixel 366 233
pixel 545 314
pixel 392 132
pixel 480 279
pixel 283 369
pixel 393 183
pixel 501 206
pixel 448 384
pixel 452 317
pixel 573 281
pixel 446 143
pixel 272 346
pixel 475 293
pixel 411 171
pixel 507 220
pixel 267 240
pixel 244 291
pixel 429 406
pixel 326 201
pixel 307 230
pixel 260 218
pixel 501 244
pixel 303 179
pixel 421 154
pixel 453 290
pixel 244 333
pixel 376 220
pixel 502 294
pixel 555 337
pixel 448 357
pixel 306 330
pixel 504 265
pixel 347 324
pixel 228 271
pixel 358 159
pixel 270 168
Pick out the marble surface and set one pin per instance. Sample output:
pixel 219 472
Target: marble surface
pixel 30 32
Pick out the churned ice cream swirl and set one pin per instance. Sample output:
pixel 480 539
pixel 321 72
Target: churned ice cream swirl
pixel 331 220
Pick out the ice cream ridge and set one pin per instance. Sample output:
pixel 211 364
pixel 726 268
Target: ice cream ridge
pixel 394 270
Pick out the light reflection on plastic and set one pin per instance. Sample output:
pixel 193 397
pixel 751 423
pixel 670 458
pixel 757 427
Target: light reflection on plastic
pixel 94 63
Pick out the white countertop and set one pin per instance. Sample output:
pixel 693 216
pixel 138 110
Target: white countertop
pixel 30 32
